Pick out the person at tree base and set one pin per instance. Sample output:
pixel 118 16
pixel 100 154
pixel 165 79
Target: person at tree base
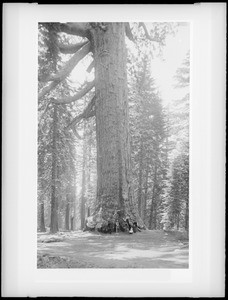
pixel 118 223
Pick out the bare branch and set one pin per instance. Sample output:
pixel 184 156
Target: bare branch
pixel 65 71
pixel 128 32
pixel 88 112
pixel 141 24
pixel 76 97
pixel 76 133
pixel 70 49
pixel 90 67
pixel 48 88
pixel 75 28
pixel 70 65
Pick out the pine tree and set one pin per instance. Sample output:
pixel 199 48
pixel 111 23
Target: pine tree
pixel 148 142
pixel 176 204
pixel 55 145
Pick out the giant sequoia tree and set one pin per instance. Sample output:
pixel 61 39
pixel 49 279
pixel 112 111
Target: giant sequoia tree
pixel 109 104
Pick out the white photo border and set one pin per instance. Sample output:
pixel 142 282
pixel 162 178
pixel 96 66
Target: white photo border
pixel 206 273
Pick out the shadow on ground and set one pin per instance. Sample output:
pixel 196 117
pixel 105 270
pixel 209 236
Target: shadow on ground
pixel 147 249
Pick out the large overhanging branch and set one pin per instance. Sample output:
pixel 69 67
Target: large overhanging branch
pixel 70 65
pixel 48 88
pixel 75 28
pixel 65 71
pixel 90 67
pixel 76 133
pixel 77 96
pixel 70 49
pixel 128 32
pixel 88 112
pixel 141 24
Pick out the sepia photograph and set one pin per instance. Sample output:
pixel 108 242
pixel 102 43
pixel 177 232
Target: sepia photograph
pixel 113 145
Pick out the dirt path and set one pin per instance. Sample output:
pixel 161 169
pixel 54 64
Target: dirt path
pixel 147 249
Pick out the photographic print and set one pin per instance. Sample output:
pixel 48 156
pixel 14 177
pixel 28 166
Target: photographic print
pixel 113 145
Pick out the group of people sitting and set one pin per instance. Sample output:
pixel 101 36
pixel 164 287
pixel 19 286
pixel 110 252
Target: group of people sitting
pixel 119 223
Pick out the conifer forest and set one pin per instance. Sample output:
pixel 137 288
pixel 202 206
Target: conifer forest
pixel 113 145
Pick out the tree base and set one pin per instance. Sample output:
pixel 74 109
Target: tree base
pixel 119 223
pixel 41 229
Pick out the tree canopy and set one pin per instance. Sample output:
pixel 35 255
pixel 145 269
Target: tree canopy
pixel 110 155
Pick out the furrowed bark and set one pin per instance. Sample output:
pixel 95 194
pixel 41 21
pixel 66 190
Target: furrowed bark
pixel 113 146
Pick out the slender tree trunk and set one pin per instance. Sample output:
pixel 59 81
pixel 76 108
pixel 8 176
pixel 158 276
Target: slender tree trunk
pixel 42 222
pixel 140 178
pixel 75 195
pixel 88 211
pixel 178 221
pixel 153 199
pixel 67 212
pixel 82 207
pixel 151 212
pixel 54 213
pixel 112 129
pixel 71 223
pixel 155 214
pixel 167 150
pixel 88 183
pixel 187 216
pixel 145 195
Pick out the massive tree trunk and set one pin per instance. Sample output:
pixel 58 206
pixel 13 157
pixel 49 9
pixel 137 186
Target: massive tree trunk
pixel 112 130
pixel 54 213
